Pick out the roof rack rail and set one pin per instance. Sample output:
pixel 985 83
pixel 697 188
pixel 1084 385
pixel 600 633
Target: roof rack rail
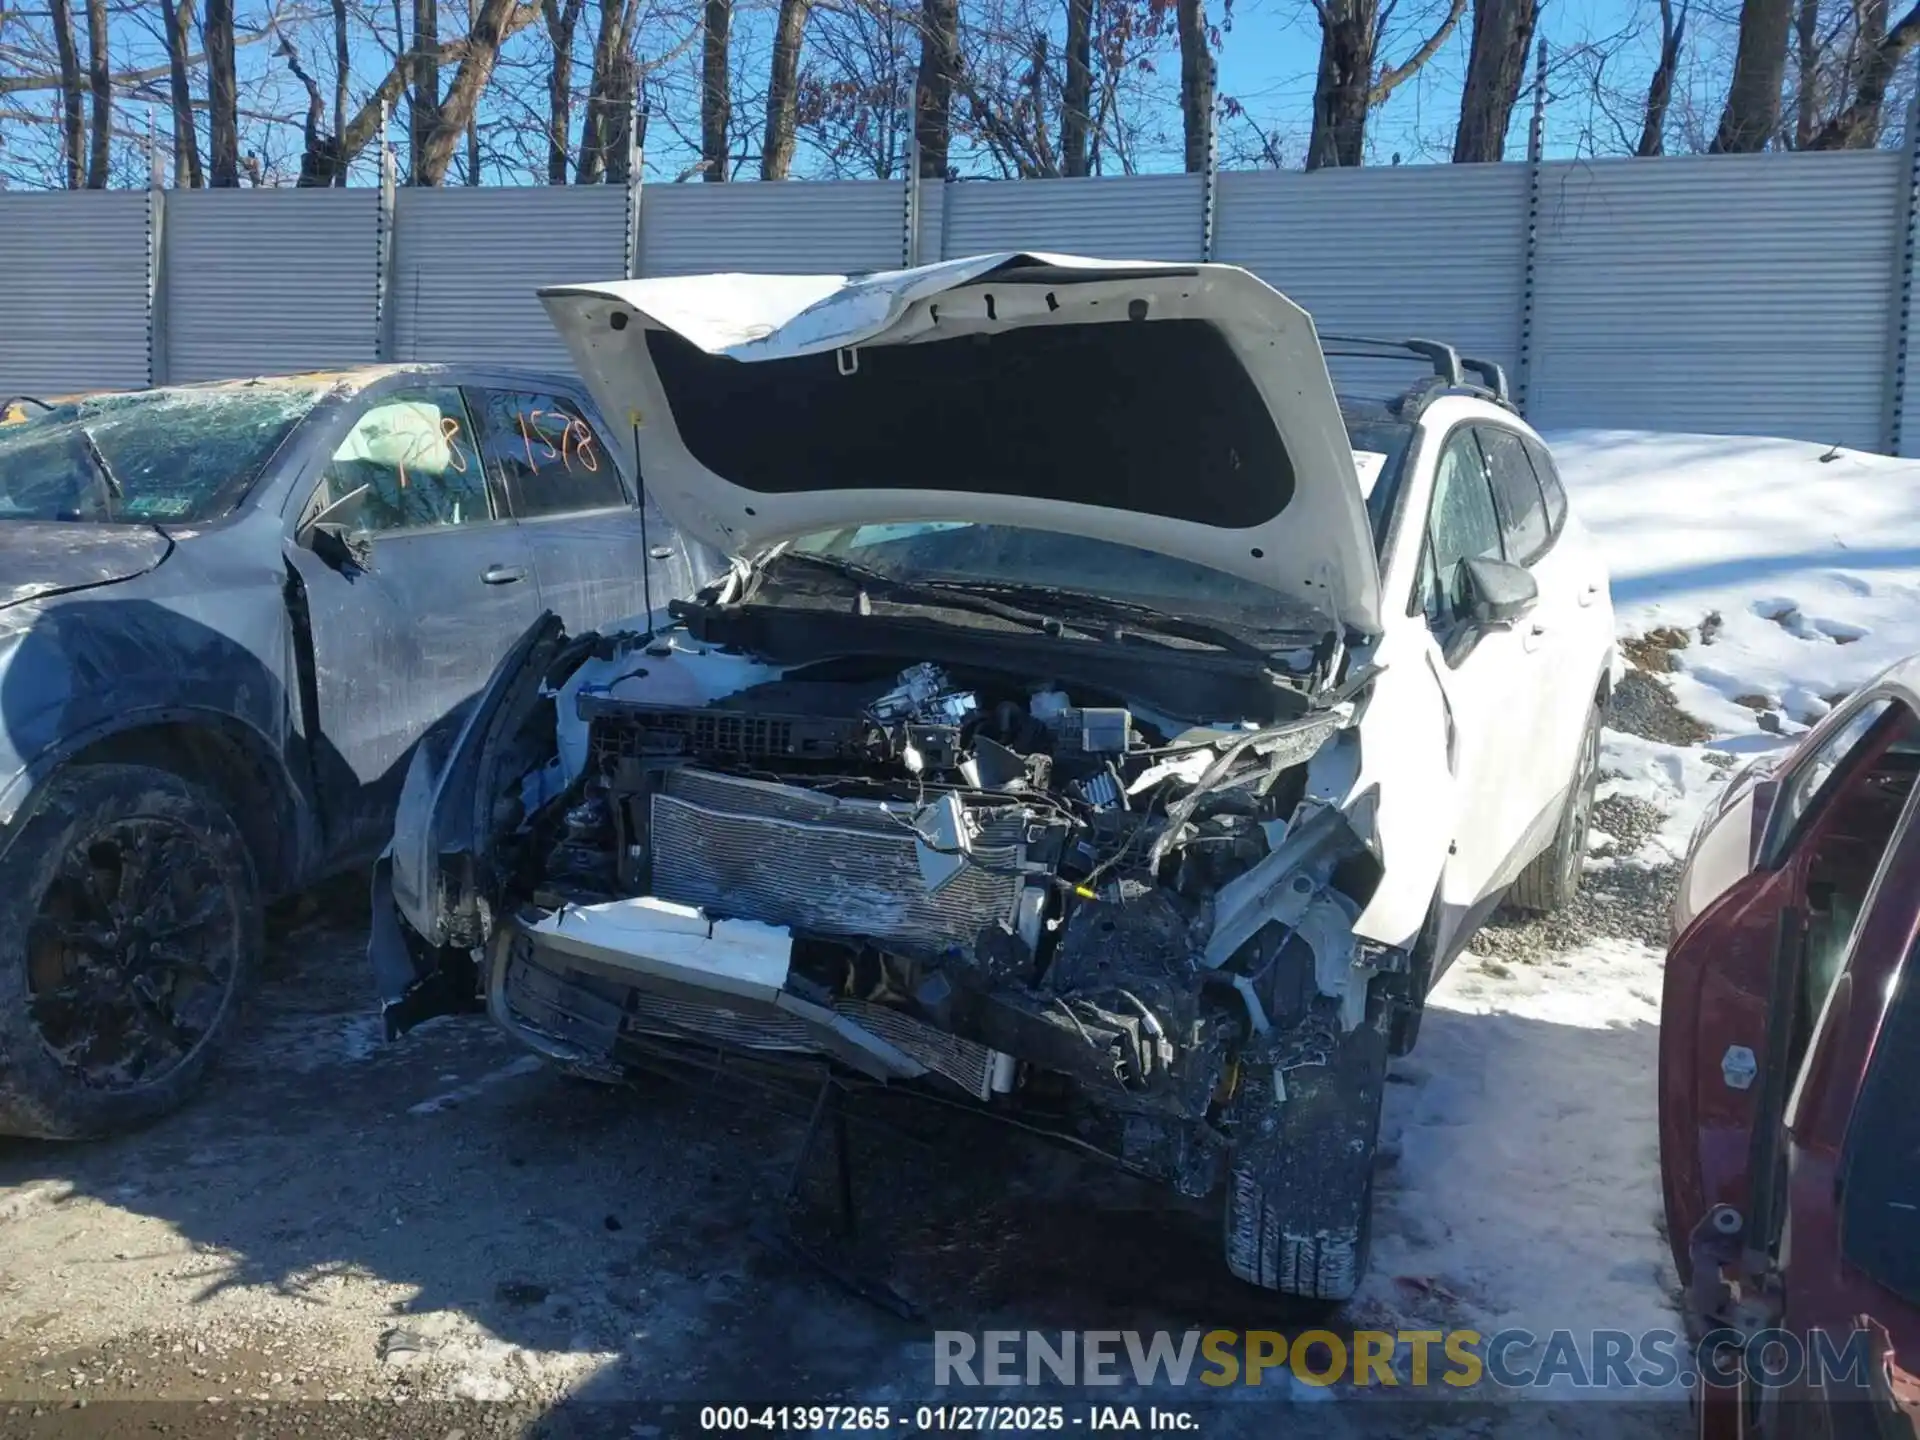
pixel 1447 362
pixel 1493 373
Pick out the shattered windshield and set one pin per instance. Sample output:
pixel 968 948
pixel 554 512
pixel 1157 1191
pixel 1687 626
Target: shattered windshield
pixel 154 455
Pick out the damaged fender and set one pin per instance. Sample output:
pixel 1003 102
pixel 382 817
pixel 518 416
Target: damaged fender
pixel 1396 775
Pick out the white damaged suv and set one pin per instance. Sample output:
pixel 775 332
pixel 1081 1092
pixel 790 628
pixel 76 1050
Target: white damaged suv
pixel 1089 714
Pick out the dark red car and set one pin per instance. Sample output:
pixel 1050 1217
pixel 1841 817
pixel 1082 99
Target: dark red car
pixel 1790 1080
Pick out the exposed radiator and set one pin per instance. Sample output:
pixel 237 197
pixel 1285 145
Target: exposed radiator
pixel 756 850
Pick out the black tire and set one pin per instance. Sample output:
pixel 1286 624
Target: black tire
pixel 1284 1253
pixel 1299 1201
pixel 1552 878
pixel 130 923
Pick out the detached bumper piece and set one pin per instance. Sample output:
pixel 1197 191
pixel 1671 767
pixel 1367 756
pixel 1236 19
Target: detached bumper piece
pixel 578 983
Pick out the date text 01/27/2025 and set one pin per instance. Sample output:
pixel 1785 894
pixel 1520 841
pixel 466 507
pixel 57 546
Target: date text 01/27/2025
pixel 964 1419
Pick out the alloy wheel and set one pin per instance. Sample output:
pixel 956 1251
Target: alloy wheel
pixel 131 954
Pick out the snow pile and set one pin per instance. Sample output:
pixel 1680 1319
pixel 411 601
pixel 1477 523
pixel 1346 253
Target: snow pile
pixel 1810 558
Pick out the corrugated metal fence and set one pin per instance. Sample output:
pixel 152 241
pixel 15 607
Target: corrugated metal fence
pixel 1745 294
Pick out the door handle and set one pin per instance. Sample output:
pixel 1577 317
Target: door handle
pixel 1534 638
pixel 502 574
pixel 1591 593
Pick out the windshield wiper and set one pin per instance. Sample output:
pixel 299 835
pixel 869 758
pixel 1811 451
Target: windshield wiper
pixel 1059 609
pixel 1081 605
pixel 873 583
pixel 110 485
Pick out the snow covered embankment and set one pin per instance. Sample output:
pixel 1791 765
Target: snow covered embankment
pixel 1810 563
pixel 1772 576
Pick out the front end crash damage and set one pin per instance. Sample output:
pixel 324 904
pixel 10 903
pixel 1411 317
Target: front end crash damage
pixel 1042 893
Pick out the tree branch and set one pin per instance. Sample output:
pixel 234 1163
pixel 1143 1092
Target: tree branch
pixel 1391 80
pixel 14 84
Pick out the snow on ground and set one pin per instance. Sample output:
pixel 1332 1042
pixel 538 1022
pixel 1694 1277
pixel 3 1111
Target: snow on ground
pixel 1676 779
pixel 1525 1150
pixel 1522 1184
pixel 1809 556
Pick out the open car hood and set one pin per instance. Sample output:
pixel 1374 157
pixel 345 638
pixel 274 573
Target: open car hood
pixel 1183 409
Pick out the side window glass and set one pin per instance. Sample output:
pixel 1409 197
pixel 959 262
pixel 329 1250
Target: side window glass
pixel 1880 1174
pixel 1462 525
pixel 1523 511
pixel 1549 476
pixel 407 464
pixel 544 455
pixel 1801 791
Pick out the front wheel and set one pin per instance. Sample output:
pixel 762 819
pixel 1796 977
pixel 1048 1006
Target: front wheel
pixel 1552 879
pixel 129 922
pixel 1299 1201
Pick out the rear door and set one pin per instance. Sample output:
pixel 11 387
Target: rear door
pixel 599 558
pixel 405 640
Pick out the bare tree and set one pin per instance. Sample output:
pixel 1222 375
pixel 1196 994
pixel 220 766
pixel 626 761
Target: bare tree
pixel 601 126
pixel 100 83
pixel 1808 56
pixel 1752 112
pixel 320 151
pixel 423 102
pixel 1857 125
pixel 1347 89
pixel 342 66
pixel 716 92
pixel 1006 85
pixel 1653 126
pixel 1076 94
pixel 176 18
pixel 364 127
pixel 783 90
pixel 1496 69
pixel 856 91
pixel 1196 84
pixel 471 174
pixel 73 129
pixel 493 22
pixel 933 89
pixel 223 97
pixel 562 17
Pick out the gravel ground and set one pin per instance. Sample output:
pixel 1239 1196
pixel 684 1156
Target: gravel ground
pixel 1619 896
pixel 1626 900
pixel 1643 705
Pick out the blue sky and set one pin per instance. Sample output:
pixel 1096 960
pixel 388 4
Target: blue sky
pixel 1267 59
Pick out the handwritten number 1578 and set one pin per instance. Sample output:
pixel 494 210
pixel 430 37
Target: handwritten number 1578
pixel 576 441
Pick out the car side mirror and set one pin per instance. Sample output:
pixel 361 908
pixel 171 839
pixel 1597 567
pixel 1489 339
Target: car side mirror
pixel 339 549
pixel 1499 592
